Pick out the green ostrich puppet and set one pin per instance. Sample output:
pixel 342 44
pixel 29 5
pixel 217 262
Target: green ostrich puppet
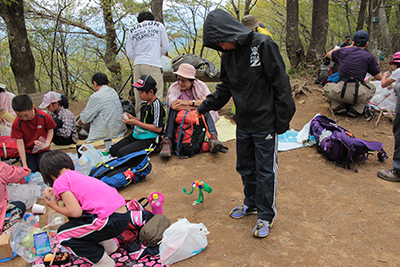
pixel 199 185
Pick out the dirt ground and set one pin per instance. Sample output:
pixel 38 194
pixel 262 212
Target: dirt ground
pixel 327 215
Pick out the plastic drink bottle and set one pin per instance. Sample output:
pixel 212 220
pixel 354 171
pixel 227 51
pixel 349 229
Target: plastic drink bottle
pixel 156 200
pixel 30 219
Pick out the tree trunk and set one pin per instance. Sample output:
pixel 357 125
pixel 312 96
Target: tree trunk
pixel 235 9
pixel 384 29
pixel 374 34
pixel 294 47
pixel 157 10
pixel 348 17
pixel 396 34
pixel 361 15
pixel 319 31
pixel 22 61
pixel 111 49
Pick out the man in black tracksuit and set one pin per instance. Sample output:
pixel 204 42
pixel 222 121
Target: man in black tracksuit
pixel 253 73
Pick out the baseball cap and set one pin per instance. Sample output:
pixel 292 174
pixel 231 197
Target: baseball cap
pixel 347 37
pixel 361 38
pixel 145 81
pixel 50 97
pixel 396 58
pixel 249 21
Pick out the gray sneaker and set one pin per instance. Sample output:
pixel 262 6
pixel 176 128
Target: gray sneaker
pixel 262 228
pixel 241 211
pixel 389 175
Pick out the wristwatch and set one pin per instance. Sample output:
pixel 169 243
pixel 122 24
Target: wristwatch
pixel 193 101
pixel 2 109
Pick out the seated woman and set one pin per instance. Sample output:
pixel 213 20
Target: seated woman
pixel 187 93
pixel 65 131
pixel 7 114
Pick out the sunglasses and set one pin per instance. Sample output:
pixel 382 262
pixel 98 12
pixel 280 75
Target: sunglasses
pixel 181 80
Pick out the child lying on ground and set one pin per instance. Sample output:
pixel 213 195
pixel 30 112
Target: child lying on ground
pixel 96 211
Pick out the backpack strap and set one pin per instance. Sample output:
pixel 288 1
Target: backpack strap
pixel 198 115
pixel 350 79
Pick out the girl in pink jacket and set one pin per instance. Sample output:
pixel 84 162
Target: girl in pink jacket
pixel 9 174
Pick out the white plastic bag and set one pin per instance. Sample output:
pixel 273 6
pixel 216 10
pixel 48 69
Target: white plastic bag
pixel 89 158
pixel 389 103
pixel 91 153
pixel 5 129
pixel 166 63
pixel 182 240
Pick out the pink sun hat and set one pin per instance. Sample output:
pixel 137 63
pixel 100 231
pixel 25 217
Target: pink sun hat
pixel 50 97
pixel 396 58
pixel 186 70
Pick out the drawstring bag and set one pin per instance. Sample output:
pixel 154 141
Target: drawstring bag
pixel 182 240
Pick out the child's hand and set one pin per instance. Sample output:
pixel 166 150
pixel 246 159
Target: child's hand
pixel 48 193
pixel 131 120
pixel 41 145
pixel 50 197
pixel 29 172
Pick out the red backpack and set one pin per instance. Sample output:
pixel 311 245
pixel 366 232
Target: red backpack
pixel 8 147
pixel 138 218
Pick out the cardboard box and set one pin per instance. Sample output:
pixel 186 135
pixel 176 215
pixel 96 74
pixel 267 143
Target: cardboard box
pixel 5 248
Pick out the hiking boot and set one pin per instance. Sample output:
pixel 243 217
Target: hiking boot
pixel 262 228
pixel 389 175
pixel 215 144
pixel 352 113
pixel 166 148
pixel 241 211
pixel 341 109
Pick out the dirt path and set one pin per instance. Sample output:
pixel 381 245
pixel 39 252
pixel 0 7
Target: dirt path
pixel 327 215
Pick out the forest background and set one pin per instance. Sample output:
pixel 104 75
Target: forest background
pixel 58 45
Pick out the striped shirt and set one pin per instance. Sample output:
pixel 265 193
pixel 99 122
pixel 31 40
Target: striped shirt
pixel 153 113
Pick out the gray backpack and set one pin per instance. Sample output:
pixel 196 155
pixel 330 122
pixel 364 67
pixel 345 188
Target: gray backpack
pixel 196 62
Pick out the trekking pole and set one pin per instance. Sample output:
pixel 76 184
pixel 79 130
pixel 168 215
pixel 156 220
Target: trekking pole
pixel 130 76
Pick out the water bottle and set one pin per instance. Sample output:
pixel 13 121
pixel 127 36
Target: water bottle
pixel 156 200
pixel 107 144
pixel 30 219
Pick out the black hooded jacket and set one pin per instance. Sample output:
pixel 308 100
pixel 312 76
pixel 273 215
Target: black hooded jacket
pixel 253 74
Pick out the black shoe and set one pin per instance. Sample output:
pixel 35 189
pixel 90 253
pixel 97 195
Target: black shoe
pixel 341 109
pixel 352 113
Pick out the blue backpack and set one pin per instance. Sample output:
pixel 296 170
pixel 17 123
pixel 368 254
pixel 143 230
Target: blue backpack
pixel 339 145
pixel 120 172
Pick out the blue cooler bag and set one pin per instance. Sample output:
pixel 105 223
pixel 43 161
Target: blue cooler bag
pixel 120 172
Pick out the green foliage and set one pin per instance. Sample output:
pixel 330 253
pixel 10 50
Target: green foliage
pixel 67 56
pixel 7 76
